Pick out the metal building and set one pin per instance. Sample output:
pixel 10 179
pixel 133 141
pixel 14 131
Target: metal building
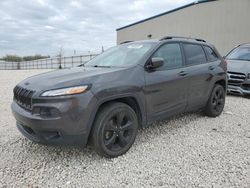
pixel 224 23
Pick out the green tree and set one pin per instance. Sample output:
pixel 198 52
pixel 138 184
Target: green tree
pixel 16 58
pixel 35 57
pixel 12 58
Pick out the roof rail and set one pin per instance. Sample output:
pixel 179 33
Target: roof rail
pixel 177 37
pixel 126 42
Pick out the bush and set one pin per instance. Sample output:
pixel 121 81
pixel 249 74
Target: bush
pixel 15 58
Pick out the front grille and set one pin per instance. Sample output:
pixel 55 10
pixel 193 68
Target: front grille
pixel 236 78
pixel 23 97
pixel 246 86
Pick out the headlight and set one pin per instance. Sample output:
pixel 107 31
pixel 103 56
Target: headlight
pixel 65 91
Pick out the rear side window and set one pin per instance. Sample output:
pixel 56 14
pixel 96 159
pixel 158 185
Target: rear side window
pixel 194 54
pixel 211 55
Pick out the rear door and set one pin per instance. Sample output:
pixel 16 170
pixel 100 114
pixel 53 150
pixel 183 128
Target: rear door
pixel 166 87
pixel 200 74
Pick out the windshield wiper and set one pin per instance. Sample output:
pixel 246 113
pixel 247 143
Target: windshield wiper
pixel 102 66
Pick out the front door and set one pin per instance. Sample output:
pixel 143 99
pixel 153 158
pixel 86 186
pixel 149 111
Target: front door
pixel 166 87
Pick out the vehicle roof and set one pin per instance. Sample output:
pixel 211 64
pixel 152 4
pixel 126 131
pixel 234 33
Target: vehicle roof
pixel 244 45
pixel 168 39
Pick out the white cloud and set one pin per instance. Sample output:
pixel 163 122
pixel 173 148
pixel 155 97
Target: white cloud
pixel 49 27
pixel 43 26
pixel 3 41
pixel 57 18
pixel 75 4
pixel 42 2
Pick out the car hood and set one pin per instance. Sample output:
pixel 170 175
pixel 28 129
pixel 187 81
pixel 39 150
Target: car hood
pixel 238 66
pixel 66 78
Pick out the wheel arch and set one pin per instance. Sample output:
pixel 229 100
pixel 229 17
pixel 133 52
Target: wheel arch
pixel 130 100
pixel 223 83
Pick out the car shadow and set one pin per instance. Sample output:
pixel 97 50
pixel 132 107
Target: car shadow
pixel 168 126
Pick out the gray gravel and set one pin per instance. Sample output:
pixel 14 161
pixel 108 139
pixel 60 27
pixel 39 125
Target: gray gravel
pixel 187 151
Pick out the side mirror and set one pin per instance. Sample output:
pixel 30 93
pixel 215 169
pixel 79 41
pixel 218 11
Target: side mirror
pixel 155 62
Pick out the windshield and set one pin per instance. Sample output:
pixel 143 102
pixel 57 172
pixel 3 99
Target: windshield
pixel 121 56
pixel 242 53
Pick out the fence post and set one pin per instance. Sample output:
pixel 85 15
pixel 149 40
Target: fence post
pixel 47 63
pixel 64 58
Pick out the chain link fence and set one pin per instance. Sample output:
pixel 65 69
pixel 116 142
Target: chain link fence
pixel 49 63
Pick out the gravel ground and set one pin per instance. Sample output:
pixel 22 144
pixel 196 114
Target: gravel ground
pixel 187 151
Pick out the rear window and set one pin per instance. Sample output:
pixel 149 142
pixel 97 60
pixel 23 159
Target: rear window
pixel 194 54
pixel 211 55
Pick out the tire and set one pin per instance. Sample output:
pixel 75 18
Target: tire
pixel 114 130
pixel 216 101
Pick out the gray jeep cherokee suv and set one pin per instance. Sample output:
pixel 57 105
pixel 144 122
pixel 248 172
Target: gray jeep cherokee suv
pixel 106 100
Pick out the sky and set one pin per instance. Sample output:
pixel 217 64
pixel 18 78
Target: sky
pixel 46 27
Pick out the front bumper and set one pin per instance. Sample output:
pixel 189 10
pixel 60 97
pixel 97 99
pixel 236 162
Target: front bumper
pixel 243 89
pixel 70 126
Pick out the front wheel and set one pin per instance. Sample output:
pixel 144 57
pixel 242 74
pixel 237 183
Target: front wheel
pixel 216 102
pixel 114 130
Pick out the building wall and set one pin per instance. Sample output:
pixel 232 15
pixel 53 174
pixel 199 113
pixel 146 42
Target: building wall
pixel 224 23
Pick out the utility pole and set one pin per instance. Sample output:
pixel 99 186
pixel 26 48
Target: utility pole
pixel 60 58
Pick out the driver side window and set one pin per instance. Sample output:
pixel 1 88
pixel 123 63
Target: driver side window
pixel 171 53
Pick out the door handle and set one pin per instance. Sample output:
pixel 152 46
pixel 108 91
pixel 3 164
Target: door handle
pixel 183 73
pixel 211 67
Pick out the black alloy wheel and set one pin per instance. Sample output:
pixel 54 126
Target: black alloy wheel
pixel 218 99
pixel 216 102
pixel 114 130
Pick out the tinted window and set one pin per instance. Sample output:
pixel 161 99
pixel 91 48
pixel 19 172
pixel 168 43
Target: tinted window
pixel 242 53
pixel 194 54
pixel 171 53
pixel 212 56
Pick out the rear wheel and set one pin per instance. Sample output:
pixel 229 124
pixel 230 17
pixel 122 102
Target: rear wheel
pixel 216 102
pixel 114 130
